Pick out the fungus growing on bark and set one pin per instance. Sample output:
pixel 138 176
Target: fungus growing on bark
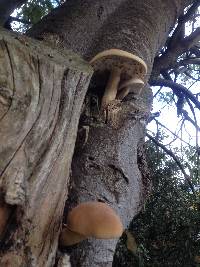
pixel 127 73
pixel 91 219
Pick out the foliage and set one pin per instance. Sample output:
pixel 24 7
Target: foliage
pixel 167 230
pixel 31 12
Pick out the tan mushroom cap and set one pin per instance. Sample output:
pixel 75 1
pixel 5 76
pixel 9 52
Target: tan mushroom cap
pixel 95 219
pixel 130 64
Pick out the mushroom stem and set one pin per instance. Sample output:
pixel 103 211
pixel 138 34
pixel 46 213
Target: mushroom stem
pixel 69 237
pixel 111 87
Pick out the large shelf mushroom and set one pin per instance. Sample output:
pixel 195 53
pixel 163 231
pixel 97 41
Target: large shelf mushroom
pixel 90 219
pixel 127 73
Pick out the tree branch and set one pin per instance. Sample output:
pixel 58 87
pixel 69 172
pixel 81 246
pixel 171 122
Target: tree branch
pixel 176 87
pixel 190 12
pixel 192 39
pixel 181 24
pixel 171 132
pixel 7 7
pixel 187 61
pixel 195 50
pixel 190 76
pixel 187 117
pixel 177 44
pixel 11 19
pixel 175 158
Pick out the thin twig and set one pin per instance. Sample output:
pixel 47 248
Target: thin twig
pixel 171 132
pixel 176 87
pixel 187 117
pixel 175 158
pixel 197 143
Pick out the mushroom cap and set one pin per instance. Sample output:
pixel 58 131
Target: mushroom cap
pixel 130 64
pixel 132 82
pixel 95 219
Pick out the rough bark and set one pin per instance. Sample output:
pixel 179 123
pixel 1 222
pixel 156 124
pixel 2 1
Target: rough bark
pixel 76 23
pixel 41 94
pixel 106 168
pixel 88 27
pixel 106 163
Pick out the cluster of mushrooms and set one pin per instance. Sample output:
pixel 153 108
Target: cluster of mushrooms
pixel 127 74
pixel 97 219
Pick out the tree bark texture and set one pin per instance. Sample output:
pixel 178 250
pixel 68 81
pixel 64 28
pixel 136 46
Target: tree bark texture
pixel 107 161
pixel 106 165
pixel 106 169
pixel 88 27
pixel 41 94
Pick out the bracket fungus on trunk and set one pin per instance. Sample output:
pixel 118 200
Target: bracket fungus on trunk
pixel 127 73
pixel 91 219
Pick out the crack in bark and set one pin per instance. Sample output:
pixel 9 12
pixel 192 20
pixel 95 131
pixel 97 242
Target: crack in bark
pixel 11 66
pixel 22 142
pixel 120 171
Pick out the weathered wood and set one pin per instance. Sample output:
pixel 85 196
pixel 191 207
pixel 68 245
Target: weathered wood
pixel 41 94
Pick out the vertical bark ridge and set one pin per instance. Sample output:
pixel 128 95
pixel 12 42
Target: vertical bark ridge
pixel 37 137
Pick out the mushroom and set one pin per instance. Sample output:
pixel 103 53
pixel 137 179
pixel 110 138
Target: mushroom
pixel 91 219
pixel 133 85
pixel 127 72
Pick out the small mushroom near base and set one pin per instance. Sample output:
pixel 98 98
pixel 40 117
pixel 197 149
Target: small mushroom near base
pixel 125 68
pixel 91 219
pixel 133 85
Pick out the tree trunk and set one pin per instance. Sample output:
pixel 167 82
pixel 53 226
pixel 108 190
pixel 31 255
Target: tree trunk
pixel 41 94
pixel 106 169
pixel 109 162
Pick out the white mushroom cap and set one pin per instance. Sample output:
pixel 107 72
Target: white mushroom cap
pixel 91 219
pixel 133 85
pixel 127 73
pixel 130 64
